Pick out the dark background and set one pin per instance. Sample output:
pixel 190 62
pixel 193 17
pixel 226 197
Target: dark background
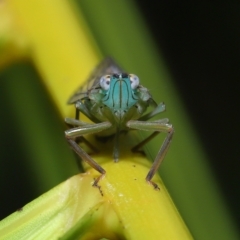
pixel 200 44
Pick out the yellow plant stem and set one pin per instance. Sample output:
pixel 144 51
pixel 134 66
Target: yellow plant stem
pixel 57 44
pixel 123 205
pixel 144 213
pixel 62 50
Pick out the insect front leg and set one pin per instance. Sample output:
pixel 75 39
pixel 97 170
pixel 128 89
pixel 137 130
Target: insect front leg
pixel 158 109
pixel 156 126
pixel 77 123
pixel 79 131
pixel 149 138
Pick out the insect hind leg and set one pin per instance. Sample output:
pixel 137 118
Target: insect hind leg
pixel 137 147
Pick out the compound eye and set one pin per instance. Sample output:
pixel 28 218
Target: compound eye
pixel 134 81
pixel 105 82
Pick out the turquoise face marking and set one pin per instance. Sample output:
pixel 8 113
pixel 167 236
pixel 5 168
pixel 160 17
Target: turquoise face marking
pixel 115 102
pixel 119 93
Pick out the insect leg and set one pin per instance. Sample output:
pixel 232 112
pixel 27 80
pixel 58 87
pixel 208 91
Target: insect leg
pixel 158 109
pixel 81 107
pixel 73 133
pixel 116 147
pixel 74 123
pixel 143 142
pixel 156 126
pixel 149 138
pixel 77 114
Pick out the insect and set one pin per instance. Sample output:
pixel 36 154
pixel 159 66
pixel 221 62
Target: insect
pixel 116 102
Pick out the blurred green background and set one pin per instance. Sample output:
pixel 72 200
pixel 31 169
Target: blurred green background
pixel 195 47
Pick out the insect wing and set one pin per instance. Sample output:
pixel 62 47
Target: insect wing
pixel 107 66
